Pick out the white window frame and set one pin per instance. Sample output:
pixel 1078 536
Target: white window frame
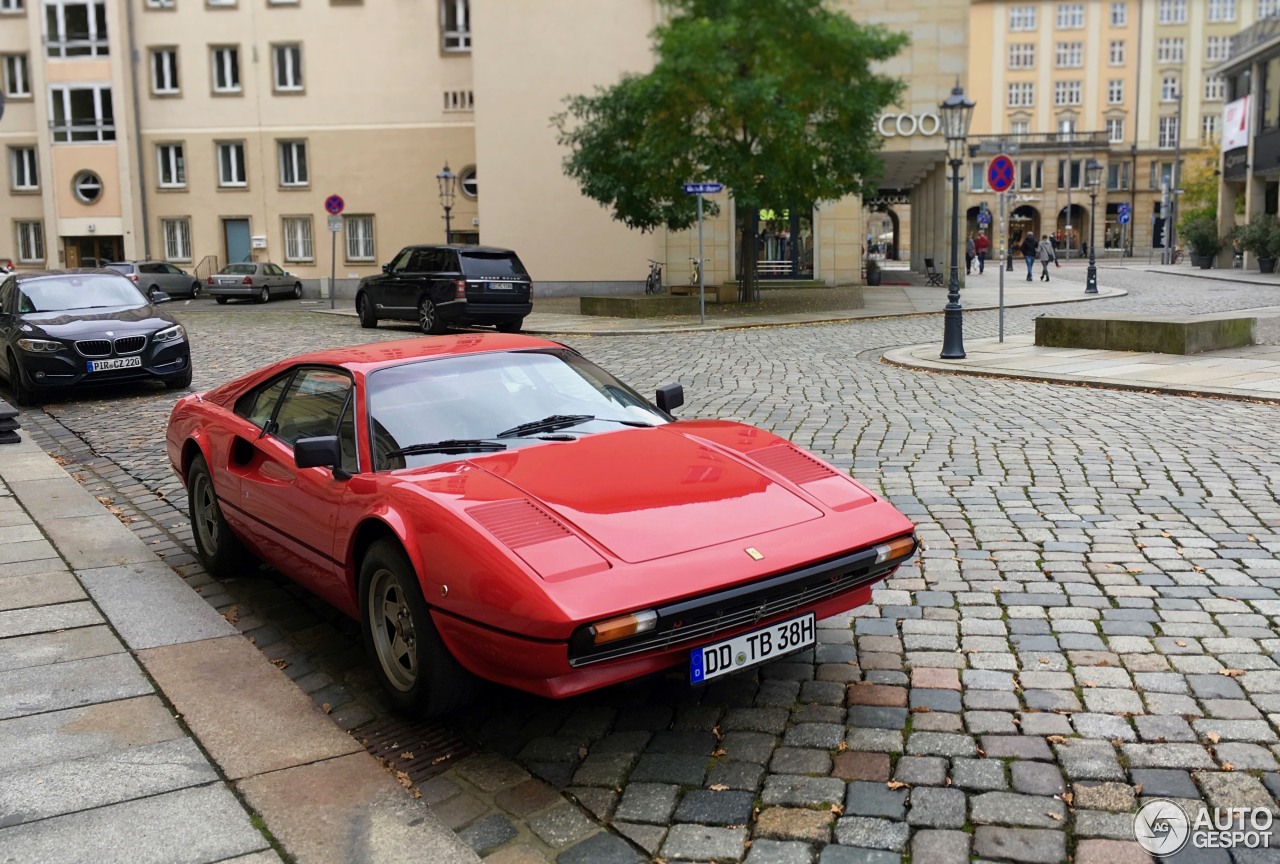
pixel 1169 88
pixel 1066 93
pixel 455 25
pixel 1222 10
pixel 11 7
pixel 161 4
pixel 1070 16
pixel 359 231
pixel 24 169
pixel 1171 50
pixel 1210 128
pixel 1069 55
pixel 1218 48
pixel 1172 12
pixel 298 245
pixel 1116 52
pixel 17 76
pixel 1267 8
pixel 1019 128
pixel 30 246
pixel 239 178
pixel 60 44
pixel 1115 130
pixel 69 131
pixel 295 171
pixel 1215 88
pixel 225 60
pixel 1119 14
pixel 1021 94
pixel 286 67
pixel 1022 55
pixel 164 73
pixel 1022 19
pixel 221 4
pixel 1115 92
pixel 1167 137
pixel 171 166
pixel 175 234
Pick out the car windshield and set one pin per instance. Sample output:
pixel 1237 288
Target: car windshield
pixel 239 269
pixel 492 264
pixel 477 397
pixel 87 291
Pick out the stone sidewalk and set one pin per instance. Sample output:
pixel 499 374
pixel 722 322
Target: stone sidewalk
pixel 137 724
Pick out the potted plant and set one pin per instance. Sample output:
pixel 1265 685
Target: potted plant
pixel 1258 238
pixel 1200 230
pixel 873 272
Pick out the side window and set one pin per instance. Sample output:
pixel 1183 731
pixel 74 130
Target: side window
pixel 258 405
pixel 274 270
pixel 402 260
pixel 448 261
pixel 311 407
pixel 152 268
pixel 347 438
pixel 169 268
pixel 426 261
pixel 6 296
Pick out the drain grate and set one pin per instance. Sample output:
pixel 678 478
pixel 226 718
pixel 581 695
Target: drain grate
pixel 420 749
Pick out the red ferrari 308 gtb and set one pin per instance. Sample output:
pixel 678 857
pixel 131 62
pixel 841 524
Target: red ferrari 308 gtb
pixel 496 505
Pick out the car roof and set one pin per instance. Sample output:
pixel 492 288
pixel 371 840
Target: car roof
pixel 66 271
pixel 464 247
pixel 375 355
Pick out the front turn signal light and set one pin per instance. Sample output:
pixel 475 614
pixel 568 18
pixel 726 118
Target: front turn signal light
pixel 623 626
pixel 899 547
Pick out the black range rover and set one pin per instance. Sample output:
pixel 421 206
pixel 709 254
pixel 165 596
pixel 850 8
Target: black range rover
pixel 441 285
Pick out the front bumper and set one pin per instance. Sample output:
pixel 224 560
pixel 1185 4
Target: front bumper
pixel 66 368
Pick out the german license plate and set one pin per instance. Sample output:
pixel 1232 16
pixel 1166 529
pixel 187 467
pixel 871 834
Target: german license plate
pixel 114 363
pixel 500 286
pixel 721 658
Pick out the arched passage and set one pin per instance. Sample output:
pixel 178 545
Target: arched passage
pixel 1022 220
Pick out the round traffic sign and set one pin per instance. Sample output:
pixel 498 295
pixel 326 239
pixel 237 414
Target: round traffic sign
pixel 1000 173
pixel 333 205
pixel 1123 217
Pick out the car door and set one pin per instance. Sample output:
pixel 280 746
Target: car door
pixel 404 292
pixel 281 282
pixel 294 510
pixel 8 321
pixel 173 281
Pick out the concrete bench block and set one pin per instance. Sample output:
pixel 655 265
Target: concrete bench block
pixel 1159 334
pixel 646 306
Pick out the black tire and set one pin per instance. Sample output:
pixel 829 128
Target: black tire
pixel 195 290
pixel 513 326
pixel 182 382
pixel 409 658
pixel 429 317
pixel 151 293
pixel 297 290
pixel 222 301
pixel 24 396
pixel 364 308
pixel 219 550
pixel 264 296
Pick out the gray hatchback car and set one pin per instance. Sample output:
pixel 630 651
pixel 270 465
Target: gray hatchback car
pixel 258 281
pixel 153 276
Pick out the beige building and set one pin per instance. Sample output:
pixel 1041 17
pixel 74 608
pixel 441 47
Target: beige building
pixel 1126 82
pixel 204 132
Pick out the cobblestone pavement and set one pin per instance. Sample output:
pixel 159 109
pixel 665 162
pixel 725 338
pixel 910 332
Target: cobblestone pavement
pixel 1093 620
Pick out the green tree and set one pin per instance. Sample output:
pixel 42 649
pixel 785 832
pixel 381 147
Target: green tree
pixel 1199 187
pixel 775 99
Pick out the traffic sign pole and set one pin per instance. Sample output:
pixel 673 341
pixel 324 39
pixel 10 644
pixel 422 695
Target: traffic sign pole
pixel 701 189
pixel 1004 238
pixel 333 205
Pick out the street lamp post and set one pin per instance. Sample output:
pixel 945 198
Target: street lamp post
pixel 448 182
pixel 957 111
pixel 1093 180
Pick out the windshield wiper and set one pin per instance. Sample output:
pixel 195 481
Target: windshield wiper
pixel 453 445
pixel 546 424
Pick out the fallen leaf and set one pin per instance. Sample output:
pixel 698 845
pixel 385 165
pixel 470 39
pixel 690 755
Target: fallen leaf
pixel 1213 737
pixel 1054 816
pixel 1044 660
pixel 1056 739
pixel 407 755
pixel 1137 788
pixel 326 708
pixel 280 664
pixel 896 784
pixel 1180 643
pixel 837 809
pixel 1231 673
pixel 921 709
pixel 232 614
pixel 842 746
pixel 1133 570
pixel 719 751
pixel 582 752
pixel 1090 684
pixel 1253 539
pixel 1227 766
pixel 404 779
pixel 417 793
pixel 718 787
pixel 946 781
pixel 1067 798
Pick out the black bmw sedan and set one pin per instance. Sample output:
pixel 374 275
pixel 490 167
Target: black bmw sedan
pixel 72 328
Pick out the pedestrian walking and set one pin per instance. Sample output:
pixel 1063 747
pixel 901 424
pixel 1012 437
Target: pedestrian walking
pixel 982 245
pixel 1029 248
pixel 1046 254
pixel 970 252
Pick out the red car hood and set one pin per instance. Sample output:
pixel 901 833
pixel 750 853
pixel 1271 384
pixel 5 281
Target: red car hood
pixel 647 493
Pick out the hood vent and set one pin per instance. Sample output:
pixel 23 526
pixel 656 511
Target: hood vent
pixel 518 522
pixel 796 466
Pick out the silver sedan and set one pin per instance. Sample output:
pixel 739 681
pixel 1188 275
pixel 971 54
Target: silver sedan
pixel 258 281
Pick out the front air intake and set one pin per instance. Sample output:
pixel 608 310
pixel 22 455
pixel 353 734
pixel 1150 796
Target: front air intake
pixel 518 523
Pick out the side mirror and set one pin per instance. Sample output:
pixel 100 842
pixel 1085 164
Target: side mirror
pixel 322 451
pixel 160 297
pixel 670 397
pixel 386 268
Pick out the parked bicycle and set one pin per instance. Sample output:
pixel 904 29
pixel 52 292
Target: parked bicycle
pixel 695 272
pixel 653 282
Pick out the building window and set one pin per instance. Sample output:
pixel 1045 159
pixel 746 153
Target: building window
pixel 1171 50
pixel 10 7
pixel 977 176
pixel 177 239
pixel 221 3
pixel 1066 93
pixel 1215 88
pixel 30 242
pixel 1161 173
pixel 1118 175
pixel 1022 56
pixel 164 71
pixel 1069 55
pixel 468 185
pixel 1021 94
pixel 1067 128
pixel 173 166
pixel 1173 11
pixel 1022 18
pixel 1210 128
pixel 1019 128
pixel 1115 130
pixel 1222 10
pixel 76 29
pixel 87 187
pixel 24 174
pixel 1267 8
pixel 161 4
pixel 231 164
pixel 359 231
pixel 226 70
pixel 1115 92
pixel 17 78
pixel 82 114
pixel 459 100
pixel 1169 89
pixel 1115 53
pixel 293 163
pixel 288 63
pixel 1070 16
pixel 1168 136
pixel 1030 174
pixel 1218 48
pixel 1119 14
pixel 455 24
pixel 1076 173
pixel 297 238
